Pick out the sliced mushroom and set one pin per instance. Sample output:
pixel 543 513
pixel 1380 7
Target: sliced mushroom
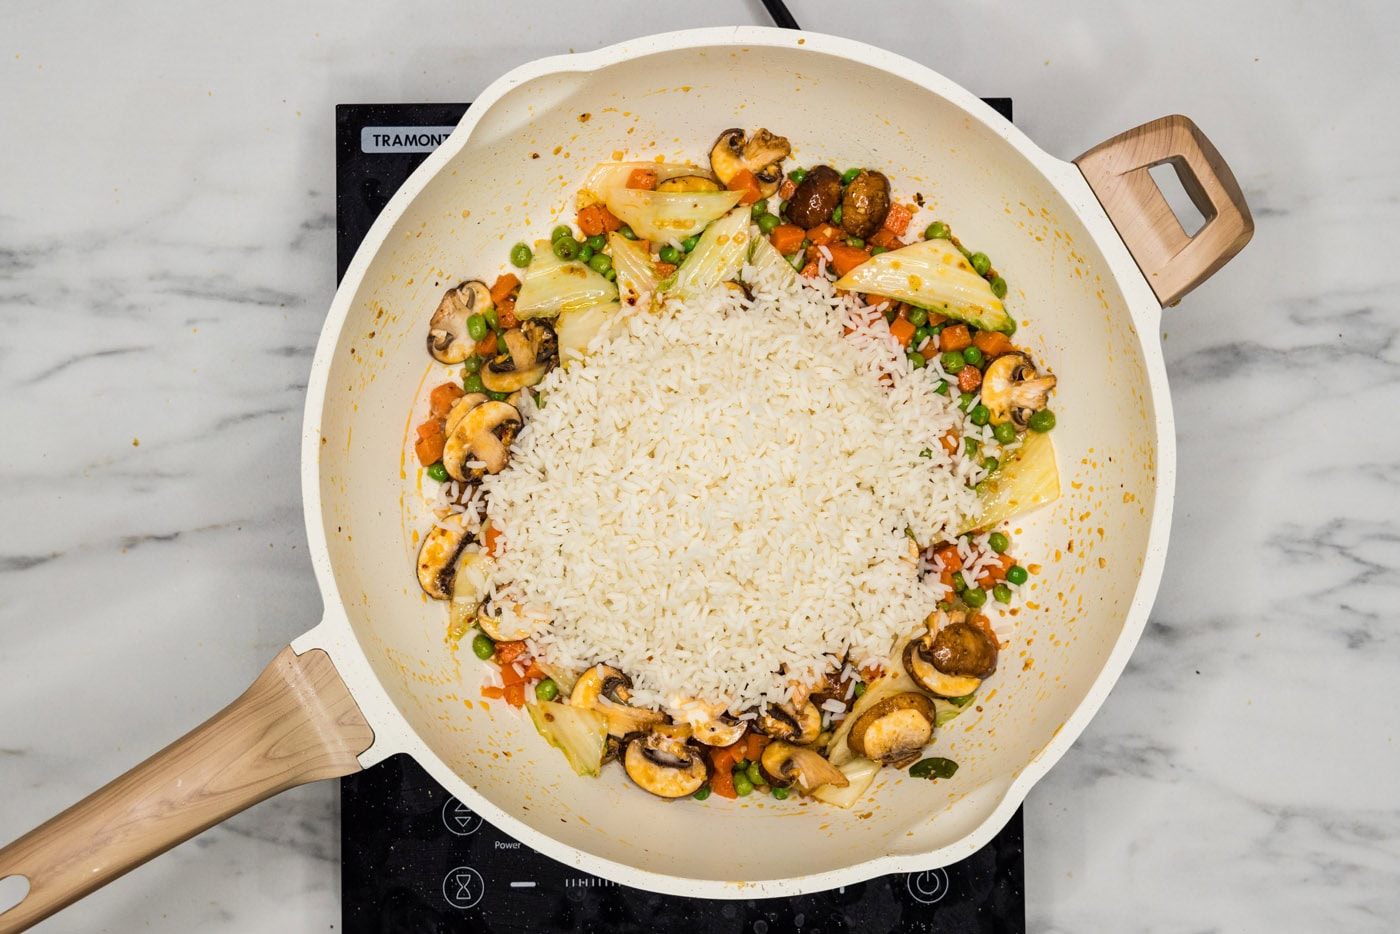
pixel 532 349
pixel 437 556
pixel 815 197
pixel 484 435
pixel 470 585
pixel 448 340
pixel 664 765
pixel 507 624
pixel 460 408
pixel 762 154
pixel 865 204
pixel 784 764
pixel 895 730
pixel 689 183
pixel 800 725
pixel 964 649
pixel 722 730
pixel 605 689
pixel 1013 389
pixel 919 663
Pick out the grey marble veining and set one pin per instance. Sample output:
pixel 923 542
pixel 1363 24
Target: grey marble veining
pixel 167 253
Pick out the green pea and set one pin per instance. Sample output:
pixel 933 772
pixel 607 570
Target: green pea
pixel 610 275
pixel 856 242
pixel 916 360
pixel 974 597
pixel 1001 593
pixel 796 260
pixel 760 207
pixel 890 315
pixel 959 585
pixel 953 362
pixel 921 334
pixel 974 356
pixel 836 216
pixel 780 793
pixel 933 767
pixel 782 209
pixel 492 319
pixel 585 253
pixel 482 646
pixel 937 231
pixel 437 471
pixel 740 766
pixel 918 317
pixel 1042 421
pixel 877 250
pixel 1004 432
pixel 566 248
pixel 980 414
pixel 754 774
pixel 982 263
pixel 670 254
pixel 501 344
pixel 520 255
pixel 998 542
pixel 690 242
pixel 742 786
pixel 547 690
pixel 472 364
pixel 1017 574
pixel 999 287
pixel 768 222
pixel 596 242
pixel 625 231
pixel 701 793
pixel 849 175
pixel 990 464
pixel 600 263
pixel 965 400
pixel 498 396
pixel 797 175
pixel 473 383
pixel 563 230
pixel 970 445
pixel 859 689
pixel 477 327
pixel 942 387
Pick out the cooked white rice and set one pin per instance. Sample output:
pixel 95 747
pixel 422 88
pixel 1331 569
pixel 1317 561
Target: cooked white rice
pixel 719 501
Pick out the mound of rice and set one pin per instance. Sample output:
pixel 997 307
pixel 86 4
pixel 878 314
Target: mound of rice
pixel 719 500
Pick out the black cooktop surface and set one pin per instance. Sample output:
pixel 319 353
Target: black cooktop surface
pixel 414 859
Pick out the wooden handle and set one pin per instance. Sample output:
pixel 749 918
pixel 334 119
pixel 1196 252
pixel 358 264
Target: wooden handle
pixel 1117 171
pixel 297 723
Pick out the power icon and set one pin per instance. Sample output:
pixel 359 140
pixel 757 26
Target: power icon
pixel 928 886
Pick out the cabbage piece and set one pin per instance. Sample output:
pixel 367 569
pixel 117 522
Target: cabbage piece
pixel 582 735
pixel 577 327
pixel 932 274
pixel 668 216
pixel 609 175
pixel 860 773
pixel 553 285
pixel 636 274
pixel 769 264
pixel 717 257
pixel 1028 478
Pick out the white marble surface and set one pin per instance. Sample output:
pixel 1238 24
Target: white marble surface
pixel 167 251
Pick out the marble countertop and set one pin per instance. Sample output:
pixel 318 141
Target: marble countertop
pixel 167 253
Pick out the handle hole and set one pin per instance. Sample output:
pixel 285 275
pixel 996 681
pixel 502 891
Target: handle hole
pixel 1168 178
pixel 13 890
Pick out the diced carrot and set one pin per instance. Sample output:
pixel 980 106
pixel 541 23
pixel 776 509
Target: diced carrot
pixel 949 441
pixel 954 338
pixel 981 621
pixel 845 258
pixel 787 238
pixel 507 652
pixel 969 378
pixel 903 330
pixel 871 672
pixel 747 182
pixel 948 554
pixel 722 783
pixel 786 189
pixel 514 694
pixel 885 238
pixel 504 286
pixel 996 571
pixel 486 347
pixel 491 540
pixel 822 234
pixel 946 578
pixel 505 313
pixel 644 179
pixel 510 676
pixel 441 399
pixel 992 343
pixel 754 743
pixel 935 319
pixel 490 690
pixel 431 441
pixel 535 672
pixel 664 269
pixel 597 219
pixel 897 220
pixel 810 270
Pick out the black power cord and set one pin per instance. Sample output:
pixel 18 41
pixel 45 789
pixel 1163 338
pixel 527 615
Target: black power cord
pixel 781 17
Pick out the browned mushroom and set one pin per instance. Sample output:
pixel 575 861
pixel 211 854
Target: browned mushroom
pixel 784 764
pixel 439 553
pixel 762 154
pixel 815 197
pixel 895 730
pixel 448 340
pixel 1013 389
pixel 482 436
pixel 865 204
pixel 800 725
pixel 608 691
pixel 664 765
pixel 532 349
